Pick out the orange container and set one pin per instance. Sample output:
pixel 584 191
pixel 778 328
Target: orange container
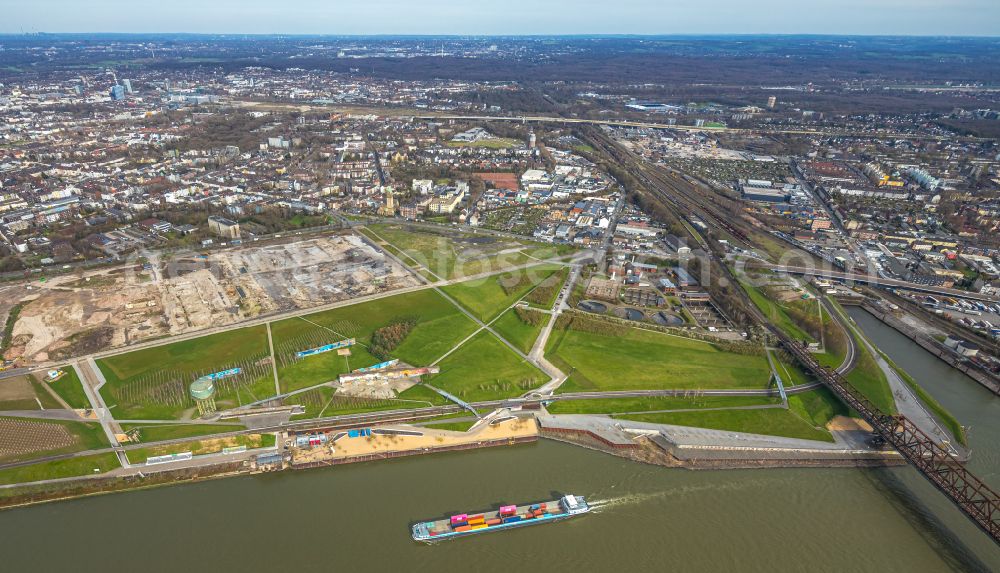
pixel 463 528
pixel 493 522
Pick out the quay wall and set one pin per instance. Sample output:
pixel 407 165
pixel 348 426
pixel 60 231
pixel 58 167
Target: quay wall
pixel 934 347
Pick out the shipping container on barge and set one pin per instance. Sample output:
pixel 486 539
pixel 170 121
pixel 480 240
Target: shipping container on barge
pixel 506 517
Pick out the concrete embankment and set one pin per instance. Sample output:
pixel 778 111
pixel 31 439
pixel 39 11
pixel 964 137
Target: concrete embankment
pixel 698 448
pixel 933 346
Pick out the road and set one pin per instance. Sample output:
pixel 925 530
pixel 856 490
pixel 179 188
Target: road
pixel 537 352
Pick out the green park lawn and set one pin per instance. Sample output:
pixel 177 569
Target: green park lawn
pixel 70 467
pixel 184 361
pixel 440 326
pixel 640 360
pixel 655 403
pixel 162 432
pixel 487 297
pixel 201 447
pixel 70 389
pixel 486 369
pixel 207 353
pixel 519 333
pixel 323 402
pixel 806 417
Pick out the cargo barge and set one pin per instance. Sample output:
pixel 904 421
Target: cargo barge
pixel 506 517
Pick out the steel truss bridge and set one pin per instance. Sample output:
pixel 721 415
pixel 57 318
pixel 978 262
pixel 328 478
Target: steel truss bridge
pixel 973 497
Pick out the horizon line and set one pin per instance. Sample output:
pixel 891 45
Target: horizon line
pixel 510 35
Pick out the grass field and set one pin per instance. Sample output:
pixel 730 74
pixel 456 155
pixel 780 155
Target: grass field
pixel 151 370
pixel 487 297
pixel 440 326
pixel 201 447
pixel 71 467
pixel 650 360
pixel 323 402
pixel 162 432
pixel 26 393
pixel 485 369
pixel 817 406
pixel 517 332
pixel 85 435
pixel 70 389
pixel 867 377
pixel 770 422
pixel 655 403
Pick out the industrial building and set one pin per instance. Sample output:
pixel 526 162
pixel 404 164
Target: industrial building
pixel 763 191
pixel 223 227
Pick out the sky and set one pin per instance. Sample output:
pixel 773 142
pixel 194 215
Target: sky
pixel 468 17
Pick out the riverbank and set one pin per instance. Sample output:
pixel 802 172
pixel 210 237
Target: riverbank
pixel 663 445
pixel 699 448
pixel 932 346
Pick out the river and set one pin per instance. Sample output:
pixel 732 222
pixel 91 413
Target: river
pixel 357 517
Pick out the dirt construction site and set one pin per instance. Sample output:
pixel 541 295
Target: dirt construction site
pixel 177 293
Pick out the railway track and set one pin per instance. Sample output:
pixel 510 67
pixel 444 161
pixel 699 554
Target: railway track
pixel 672 189
pixel 973 497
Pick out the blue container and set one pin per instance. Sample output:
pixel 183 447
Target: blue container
pixel 512 519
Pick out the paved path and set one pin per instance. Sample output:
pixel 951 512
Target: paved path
pixel 68 415
pixel 92 378
pixel 909 405
pixel 848 364
pixel 274 361
pixel 907 402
